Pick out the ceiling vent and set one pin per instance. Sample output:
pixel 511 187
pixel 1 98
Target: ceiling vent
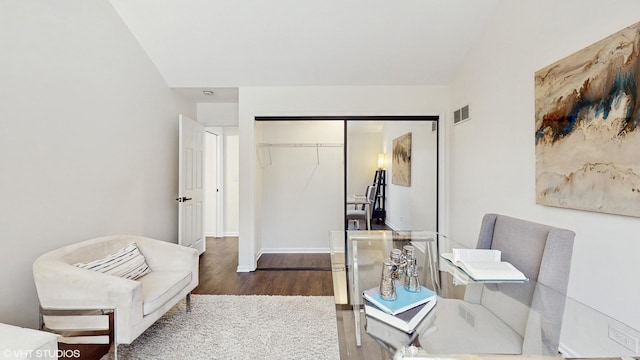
pixel 461 115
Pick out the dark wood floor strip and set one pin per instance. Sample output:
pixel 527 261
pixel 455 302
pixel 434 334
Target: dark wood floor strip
pixel 219 276
pixel 309 268
pixel 294 260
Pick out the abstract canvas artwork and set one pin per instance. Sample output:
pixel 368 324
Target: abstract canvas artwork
pixel 401 160
pixel 587 127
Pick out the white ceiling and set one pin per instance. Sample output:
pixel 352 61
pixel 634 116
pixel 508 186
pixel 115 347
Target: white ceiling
pixel 221 95
pixel 202 44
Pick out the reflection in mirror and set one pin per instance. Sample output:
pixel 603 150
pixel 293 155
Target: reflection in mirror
pixel 300 177
pixel 407 185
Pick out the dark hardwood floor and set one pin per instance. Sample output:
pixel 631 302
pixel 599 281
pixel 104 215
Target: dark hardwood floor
pixel 294 262
pixel 219 276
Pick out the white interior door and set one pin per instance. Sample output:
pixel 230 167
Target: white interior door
pixel 212 221
pixel 190 184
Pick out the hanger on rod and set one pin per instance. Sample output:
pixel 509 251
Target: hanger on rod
pixel 259 156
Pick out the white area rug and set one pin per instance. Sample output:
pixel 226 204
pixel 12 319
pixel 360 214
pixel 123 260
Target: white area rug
pixel 242 327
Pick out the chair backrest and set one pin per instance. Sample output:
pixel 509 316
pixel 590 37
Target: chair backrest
pixel 541 252
pixel 371 194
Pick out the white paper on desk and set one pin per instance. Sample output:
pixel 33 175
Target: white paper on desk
pixel 484 264
pixel 476 255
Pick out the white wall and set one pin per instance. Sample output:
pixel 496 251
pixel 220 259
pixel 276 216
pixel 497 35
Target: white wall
pixel 88 139
pixel 492 155
pixel 412 207
pixel 302 195
pixel 218 114
pixel 362 159
pixel 309 101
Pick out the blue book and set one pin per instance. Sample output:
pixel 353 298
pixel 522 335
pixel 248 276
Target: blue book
pixel 404 301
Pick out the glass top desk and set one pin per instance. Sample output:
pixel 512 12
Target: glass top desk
pixel 486 318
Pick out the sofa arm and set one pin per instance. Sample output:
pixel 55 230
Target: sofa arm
pixel 63 286
pixel 164 256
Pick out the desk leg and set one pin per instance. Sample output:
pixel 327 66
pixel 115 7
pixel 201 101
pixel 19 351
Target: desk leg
pixel 355 292
pixel 356 318
pixel 432 266
pixel 368 215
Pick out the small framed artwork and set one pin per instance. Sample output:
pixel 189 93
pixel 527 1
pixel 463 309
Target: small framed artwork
pixel 401 160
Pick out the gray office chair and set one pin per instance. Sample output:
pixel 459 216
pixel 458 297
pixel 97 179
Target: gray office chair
pixel 525 318
pixel 541 252
pixel 360 213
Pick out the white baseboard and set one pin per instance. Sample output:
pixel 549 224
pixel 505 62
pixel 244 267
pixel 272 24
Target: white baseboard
pixel 245 268
pixel 224 234
pixel 293 251
pixel 284 251
pixel 392 226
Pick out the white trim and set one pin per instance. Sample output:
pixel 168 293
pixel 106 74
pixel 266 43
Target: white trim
pixel 225 234
pixel 444 127
pixel 392 226
pixel 244 268
pixel 293 251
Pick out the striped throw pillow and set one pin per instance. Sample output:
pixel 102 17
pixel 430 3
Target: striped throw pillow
pixel 127 263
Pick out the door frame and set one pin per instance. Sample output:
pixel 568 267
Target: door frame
pixel 346 119
pixel 219 210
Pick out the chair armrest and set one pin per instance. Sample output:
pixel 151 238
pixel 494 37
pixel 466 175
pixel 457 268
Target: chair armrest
pixel 164 256
pixel 64 286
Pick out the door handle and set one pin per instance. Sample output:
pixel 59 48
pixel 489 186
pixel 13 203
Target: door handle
pixel 183 199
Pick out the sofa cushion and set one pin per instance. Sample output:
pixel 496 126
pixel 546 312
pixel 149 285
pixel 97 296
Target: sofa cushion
pixel 127 263
pixel 160 286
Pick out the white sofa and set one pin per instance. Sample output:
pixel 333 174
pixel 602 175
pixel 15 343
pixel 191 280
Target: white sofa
pixel 138 303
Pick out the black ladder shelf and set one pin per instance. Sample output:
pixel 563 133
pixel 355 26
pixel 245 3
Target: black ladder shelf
pixel 379 182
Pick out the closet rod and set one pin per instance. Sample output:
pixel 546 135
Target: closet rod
pixel 300 145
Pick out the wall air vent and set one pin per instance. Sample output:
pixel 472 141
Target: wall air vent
pixel 461 115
